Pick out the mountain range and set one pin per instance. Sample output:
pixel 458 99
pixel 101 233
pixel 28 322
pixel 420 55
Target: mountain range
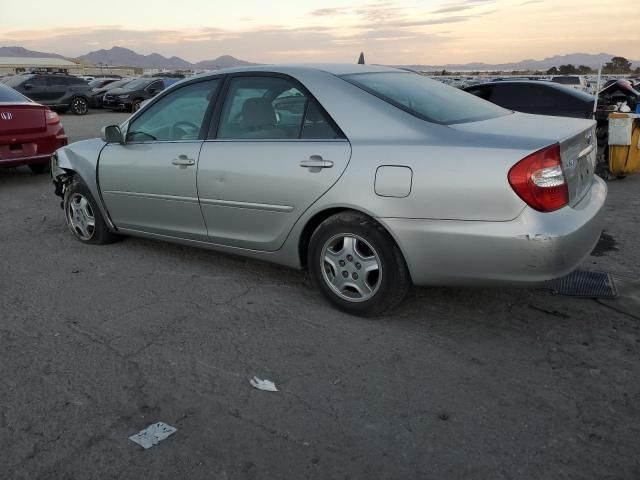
pixel 119 56
pixel 590 60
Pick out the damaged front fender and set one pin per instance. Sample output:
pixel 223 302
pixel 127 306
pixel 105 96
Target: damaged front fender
pixel 80 160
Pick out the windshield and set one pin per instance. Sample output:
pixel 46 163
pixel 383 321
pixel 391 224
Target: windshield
pixel 9 95
pixel 117 84
pixel 139 83
pixel 426 99
pixel 98 82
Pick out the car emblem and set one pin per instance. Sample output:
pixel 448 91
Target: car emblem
pixel 6 115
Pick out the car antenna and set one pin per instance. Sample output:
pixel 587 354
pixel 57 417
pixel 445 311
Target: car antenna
pixel 361 59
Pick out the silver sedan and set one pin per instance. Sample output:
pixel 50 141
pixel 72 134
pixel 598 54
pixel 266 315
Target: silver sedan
pixel 371 178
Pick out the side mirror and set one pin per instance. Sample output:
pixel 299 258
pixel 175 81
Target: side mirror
pixel 27 86
pixel 152 91
pixel 111 134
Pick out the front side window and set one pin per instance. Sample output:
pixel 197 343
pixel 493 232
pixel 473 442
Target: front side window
pixel 155 87
pixel 425 98
pixel 177 116
pixel 36 82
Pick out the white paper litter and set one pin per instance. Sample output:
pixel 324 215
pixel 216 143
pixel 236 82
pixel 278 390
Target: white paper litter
pixel 264 385
pixel 153 434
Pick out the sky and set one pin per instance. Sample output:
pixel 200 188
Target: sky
pixel 431 32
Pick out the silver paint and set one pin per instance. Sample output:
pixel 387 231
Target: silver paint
pixel 461 223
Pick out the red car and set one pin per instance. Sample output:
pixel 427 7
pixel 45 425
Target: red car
pixel 29 132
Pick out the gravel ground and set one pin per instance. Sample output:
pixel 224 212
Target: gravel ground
pixel 97 343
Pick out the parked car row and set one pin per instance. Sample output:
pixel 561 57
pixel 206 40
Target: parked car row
pixel 29 132
pixel 64 93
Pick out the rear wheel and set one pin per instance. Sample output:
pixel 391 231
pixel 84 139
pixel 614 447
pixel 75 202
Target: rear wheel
pixel 357 265
pixel 83 216
pixel 79 105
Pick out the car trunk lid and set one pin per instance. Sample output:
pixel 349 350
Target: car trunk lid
pixel 18 119
pixel 578 153
pixel 530 133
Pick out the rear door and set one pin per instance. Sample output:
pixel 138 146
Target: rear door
pixel 149 183
pixel 274 152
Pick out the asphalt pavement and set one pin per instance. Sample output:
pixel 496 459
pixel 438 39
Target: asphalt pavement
pixel 99 342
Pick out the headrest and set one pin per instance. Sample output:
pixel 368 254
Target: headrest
pixel 258 113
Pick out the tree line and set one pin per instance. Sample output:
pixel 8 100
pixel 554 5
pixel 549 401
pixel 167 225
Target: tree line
pixel 617 66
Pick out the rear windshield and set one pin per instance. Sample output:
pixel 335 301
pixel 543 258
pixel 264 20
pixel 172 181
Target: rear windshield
pixel 9 95
pixel 425 98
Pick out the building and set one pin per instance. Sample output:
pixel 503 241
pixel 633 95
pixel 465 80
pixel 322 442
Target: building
pixel 13 65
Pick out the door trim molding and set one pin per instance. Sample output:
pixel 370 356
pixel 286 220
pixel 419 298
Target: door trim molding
pixel 153 196
pixel 248 205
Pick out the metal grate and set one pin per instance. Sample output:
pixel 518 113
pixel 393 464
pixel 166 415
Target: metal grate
pixel 584 284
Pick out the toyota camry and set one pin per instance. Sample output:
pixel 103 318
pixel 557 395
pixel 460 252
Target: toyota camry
pixel 374 179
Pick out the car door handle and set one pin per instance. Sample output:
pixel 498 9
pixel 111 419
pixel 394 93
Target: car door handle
pixel 183 161
pixel 316 161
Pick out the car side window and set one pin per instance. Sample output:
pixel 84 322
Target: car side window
pixel 317 125
pixel 177 116
pixel 55 81
pixel 37 82
pixel 155 87
pixel 267 108
pixel 483 92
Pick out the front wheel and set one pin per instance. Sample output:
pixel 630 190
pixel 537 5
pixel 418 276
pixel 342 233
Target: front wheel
pixel 135 105
pixel 357 265
pixel 79 106
pixel 83 216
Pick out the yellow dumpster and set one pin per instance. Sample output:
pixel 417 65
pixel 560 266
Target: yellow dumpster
pixel 624 144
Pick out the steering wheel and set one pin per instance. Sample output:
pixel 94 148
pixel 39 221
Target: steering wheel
pixel 179 132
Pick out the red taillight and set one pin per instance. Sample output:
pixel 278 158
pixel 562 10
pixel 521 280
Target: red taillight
pixel 52 117
pixel 539 181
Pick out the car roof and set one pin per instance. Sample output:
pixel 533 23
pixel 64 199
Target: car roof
pixel 556 86
pixel 332 68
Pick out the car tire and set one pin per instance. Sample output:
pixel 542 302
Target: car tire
pixel 356 264
pixel 83 217
pixel 79 105
pixel 135 105
pixel 39 168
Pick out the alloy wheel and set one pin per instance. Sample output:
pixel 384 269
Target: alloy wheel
pixel 80 217
pixel 351 267
pixel 79 106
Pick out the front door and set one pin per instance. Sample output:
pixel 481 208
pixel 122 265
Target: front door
pixel 149 183
pixel 37 89
pixel 276 152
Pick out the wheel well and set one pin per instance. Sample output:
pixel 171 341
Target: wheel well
pixel 315 221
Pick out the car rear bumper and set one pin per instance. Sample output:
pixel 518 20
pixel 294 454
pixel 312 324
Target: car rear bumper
pixel 531 249
pixel 29 150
